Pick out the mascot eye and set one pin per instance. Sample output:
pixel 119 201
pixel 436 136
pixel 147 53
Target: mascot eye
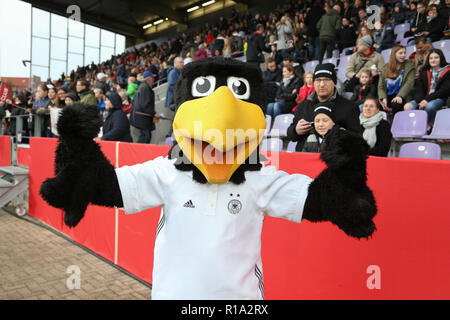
pixel 203 86
pixel 239 86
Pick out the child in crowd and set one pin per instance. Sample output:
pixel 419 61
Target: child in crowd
pixel 365 88
pixel 306 89
pixel 324 121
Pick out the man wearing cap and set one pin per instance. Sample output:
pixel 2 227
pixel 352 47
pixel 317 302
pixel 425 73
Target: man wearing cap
pixel 364 57
pixel 143 109
pixel 346 112
pixel 101 83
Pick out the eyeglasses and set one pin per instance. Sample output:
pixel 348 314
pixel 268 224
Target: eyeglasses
pixel 324 80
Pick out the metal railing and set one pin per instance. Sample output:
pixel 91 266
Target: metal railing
pixel 35 125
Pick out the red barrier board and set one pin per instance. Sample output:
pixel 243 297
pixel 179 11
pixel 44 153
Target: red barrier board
pixel 407 257
pixel 24 156
pixel 5 151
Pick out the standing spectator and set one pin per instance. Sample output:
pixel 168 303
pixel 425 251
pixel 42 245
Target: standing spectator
pixel 132 86
pixel 433 85
pixel 121 72
pixel 347 35
pixel 116 126
pixel 42 99
pixel 70 98
pixel 284 35
pixel 101 83
pixel 384 36
pixel 396 83
pixel 306 90
pixel 53 98
pixel 328 27
pixel 313 16
pixel 86 95
pixel 377 131
pixel 365 88
pixel 272 77
pixel 364 57
pixel 62 91
pixel 143 109
pixel 172 78
pixel 345 112
pixel 286 93
pixel 256 46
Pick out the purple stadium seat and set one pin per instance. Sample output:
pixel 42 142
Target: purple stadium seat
pixel 335 54
pixel 268 124
pixel 422 150
pixel 271 144
pixel 342 68
pixel 409 124
pixel 404 41
pixel 280 125
pixel 447 55
pixel 243 58
pixel 410 50
pixel 311 65
pixel 386 54
pixel 441 128
pixel 400 30
pixel 444 45
pixel 291 146
pixel 169 141
pixel 330 60
pixel 344 51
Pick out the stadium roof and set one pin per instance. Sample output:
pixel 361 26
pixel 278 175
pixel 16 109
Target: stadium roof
pixel 130 17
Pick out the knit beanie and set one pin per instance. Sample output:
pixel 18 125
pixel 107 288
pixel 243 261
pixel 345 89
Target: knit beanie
pixel 366 40
pixel 326 108
pixel 325 70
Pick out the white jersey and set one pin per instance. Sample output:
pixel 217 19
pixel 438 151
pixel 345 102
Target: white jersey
pixel 208 242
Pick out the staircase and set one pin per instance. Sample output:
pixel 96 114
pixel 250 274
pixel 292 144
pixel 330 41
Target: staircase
pixel 14 188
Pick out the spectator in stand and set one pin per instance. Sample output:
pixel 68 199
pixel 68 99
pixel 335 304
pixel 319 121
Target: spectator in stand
pixel 328 27
pixel 53 97
pixel 272 77
pixel 444 15
pixel 200 53
pixel 126 105
pixel 361 20
pixel 364 57
pixel 101 83
pixel 86 95
pixel 347 34
pixel 396 83
pixel 432 28
pixel 154 67
pixel 376 130
pixel 42 100
pixel 256 46
pixel 306 90
pixel 143 110
pixel 172 78
pixel 62 91
pixel 422 48
pixel 286 93
pixel 70 98
pixel 365 88
pixel 323 122
pixel 284 35
pixel 100 97
pixel 121 72
pixel 398 16
pixel 384 36
pixel 298 69
pixel 348 11
pixel 132 86
pixel 346 112
pixel 116 126
pixel 432 88
pixel 418 20
pixel 312 18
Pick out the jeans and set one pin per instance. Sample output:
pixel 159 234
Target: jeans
pixel 145 136
pixel 431 108
pixel 313 48
pixel 328 45
pixel 275 108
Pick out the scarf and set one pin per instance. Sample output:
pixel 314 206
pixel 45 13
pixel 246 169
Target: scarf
pixel 287 80
pixel 370 127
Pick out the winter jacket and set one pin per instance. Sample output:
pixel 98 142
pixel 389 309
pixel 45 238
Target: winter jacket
pixel 346 113
pixel 329 24
pixel 384 137
pixel 303 93
pixel 313 143
pixel 422 87
pixel 284 93
pixel 255 46
pixel 272 80
pixel 347 36
pixel 116 126
pixel 360 95
pixel 284 34
pixel 143 108
pixel 356 61
pixel 172 78
pixel 434 27
pixel 312 18
pixel 102 85
pixel 132 89
pixel 88 97
pixel 385 37
pixel 407 85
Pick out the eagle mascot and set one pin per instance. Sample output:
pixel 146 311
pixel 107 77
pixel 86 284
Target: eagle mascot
pixel 213 186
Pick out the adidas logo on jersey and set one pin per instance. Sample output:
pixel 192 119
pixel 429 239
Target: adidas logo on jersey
pixel 189 204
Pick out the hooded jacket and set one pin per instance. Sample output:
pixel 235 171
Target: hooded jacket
pixel 116 126
pixel 423 83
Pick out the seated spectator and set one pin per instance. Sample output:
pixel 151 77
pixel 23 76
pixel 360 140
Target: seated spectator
pixel 422 47
pixel 384 35
pixel 116 126
pixel 286 94
pixel 364 57
pixel 377 131
pixel 365 88
pixel 272 77
pixel 433 85
pixel 323 122
pixel 298 69
pixel 396 83
pixel 306 90
pixel 432 28
pixel 398 16
pixel 70 98
pixel 345 112
pixel 347 35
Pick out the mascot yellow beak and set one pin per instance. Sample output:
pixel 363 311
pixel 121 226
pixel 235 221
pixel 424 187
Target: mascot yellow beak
pixel 217 133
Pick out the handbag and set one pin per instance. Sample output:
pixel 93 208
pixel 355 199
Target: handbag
pixel 349 84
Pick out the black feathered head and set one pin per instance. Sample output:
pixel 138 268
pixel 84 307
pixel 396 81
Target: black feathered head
pixel 219 120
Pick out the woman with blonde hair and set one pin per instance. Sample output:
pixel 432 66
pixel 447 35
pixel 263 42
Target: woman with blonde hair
pixel 396 83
